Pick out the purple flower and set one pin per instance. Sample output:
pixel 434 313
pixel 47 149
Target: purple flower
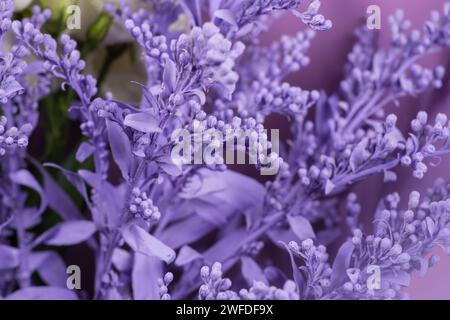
pixel 165 227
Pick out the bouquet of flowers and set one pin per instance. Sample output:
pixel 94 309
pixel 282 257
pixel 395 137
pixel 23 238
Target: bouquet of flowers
pixel 146 190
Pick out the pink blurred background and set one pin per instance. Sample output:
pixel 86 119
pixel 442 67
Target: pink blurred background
pixel 328 56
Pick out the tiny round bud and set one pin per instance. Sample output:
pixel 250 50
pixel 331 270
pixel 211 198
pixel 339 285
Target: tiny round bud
pixel 307 244
pixel 216 271
pixel 348 286
pixel 203 291
pixel 165 296
pixel 396 249
pixel 168 278
pixel 403 258
pixel 204 272
pixel 357 233
pixel 409 215
pixel 410 228
pixel 222 296
pixel 386 243
pixel 356 241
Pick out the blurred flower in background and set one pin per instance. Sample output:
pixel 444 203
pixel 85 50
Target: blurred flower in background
pixel 108 48
pixel 90 12
pixel 21 4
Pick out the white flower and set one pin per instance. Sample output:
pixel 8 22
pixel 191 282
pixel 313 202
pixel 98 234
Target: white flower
pixel 19 5
pixel 129 67
pixel 90 10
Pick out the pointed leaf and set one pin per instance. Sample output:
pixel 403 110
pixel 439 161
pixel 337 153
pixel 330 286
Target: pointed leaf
pixel 67 233
pixel 301 227
pixel 85 150
pixel 341 264
pixel 74 178
pixel 186 255
pixel 9 257
pixel 227 16
pixel 142 242
pixel 251 271
pixel 120 148
pixel 50 267
pixel 296 275
pixel 226 247
pixel 122 260
pixel 146 272
pixel 186 231
pixel 329 187
pixel 143 122
pixel 25 178
pixel 57 198
pixel 170 76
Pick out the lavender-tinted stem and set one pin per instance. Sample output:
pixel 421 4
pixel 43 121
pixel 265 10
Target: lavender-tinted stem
pixel 23 272
pixel 104 262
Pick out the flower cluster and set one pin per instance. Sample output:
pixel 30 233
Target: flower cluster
pixel 12 137
pixel 153 221
pixel 216 287
pixel 142 207
pixel 400 243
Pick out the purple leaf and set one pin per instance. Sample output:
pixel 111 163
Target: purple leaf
pixel 192 8
pixel 84 151
pixel 120 148
pixel 29 218
pixel 43 293
pixel 329 187
pixel 108 200
pixel 170 76
pixel 152 102
pixel 186 231
pixel 359 154
pixel 298 278
pixel 328 236
pixel 143 122
pixel 233 191
pixel 186 255
pixel 122 260
pixel 25 178
pixel 50 267
pixel 227 16
pixel 341 264
pixel 67 233
pixel 301 227
pixel 146 272
pixel 9 257
pixel 57 198
pixel 167 165
pixel 93 179
pixel 74 178
pixel 251 271
pixel 202 184
pixel 275 275
pixel 142 242
pixel 226 246
pixel 280 234
pixel 207 210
